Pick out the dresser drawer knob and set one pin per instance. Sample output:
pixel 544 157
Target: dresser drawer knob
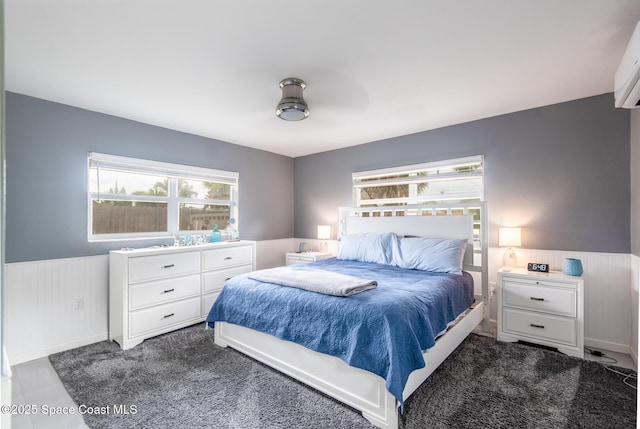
pixel 168 290
pixel 169 266
pixel 536 299
pixel 533 325
pixel 168 315
pixel 228 258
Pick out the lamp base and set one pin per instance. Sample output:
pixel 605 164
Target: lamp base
pixel 509 260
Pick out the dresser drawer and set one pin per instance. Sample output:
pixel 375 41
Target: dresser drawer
pixel 147 268
pixel 540 298
pixel 214 280
pixel 227 257
pixel 207 302
pixel 158 292
pixel 540 326
pixel 162 316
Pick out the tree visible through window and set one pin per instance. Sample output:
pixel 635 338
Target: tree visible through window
pixel 455 180
pixel 132 198
pixel 451 186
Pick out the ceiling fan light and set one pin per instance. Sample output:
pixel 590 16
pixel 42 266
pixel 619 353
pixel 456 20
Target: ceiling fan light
pixel 292 106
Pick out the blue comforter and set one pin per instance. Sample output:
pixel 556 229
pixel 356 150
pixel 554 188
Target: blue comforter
pixel 383 330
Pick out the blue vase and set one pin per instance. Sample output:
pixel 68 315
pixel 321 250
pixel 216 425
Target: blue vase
pixel 572 267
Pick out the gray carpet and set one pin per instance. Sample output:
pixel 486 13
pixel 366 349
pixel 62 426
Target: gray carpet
pixel 183 380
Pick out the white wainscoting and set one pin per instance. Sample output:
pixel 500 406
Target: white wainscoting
pixel 55 305
pixel 608 311
pixel 272 253
pixel 635 304
pixel 60 304
pixel 330 246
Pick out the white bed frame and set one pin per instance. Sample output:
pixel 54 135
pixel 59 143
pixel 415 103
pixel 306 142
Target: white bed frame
pixel 355 387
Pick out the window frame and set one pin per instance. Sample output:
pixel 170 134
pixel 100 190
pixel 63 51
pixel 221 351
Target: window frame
pixel 173 172
pixel 380 177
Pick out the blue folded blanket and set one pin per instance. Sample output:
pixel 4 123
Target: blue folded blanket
pixel 321 281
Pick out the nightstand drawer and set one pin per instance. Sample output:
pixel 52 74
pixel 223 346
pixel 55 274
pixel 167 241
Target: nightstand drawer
pixel 214 280
pixel 147 268
pixel 299 259
pixel 540 326
pixel 540 298
pixel 161 316
pixel 304 257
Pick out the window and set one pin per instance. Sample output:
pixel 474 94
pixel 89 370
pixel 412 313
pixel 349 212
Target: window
pixel 132 198
pixel 453 186
pixel 450 181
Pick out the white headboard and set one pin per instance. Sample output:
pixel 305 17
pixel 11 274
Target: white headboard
pixel 420 226
pixel 461 220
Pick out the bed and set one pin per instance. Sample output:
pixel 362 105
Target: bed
pixel 374 348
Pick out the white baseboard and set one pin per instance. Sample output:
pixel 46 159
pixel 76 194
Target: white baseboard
pixel 607 345
pixel 56 348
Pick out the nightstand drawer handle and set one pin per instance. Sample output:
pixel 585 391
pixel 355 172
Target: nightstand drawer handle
pixel 169 266
pixel 228 278
pixel 227 258
pixel 533 325
pixel 169 315
pixel 537 299
pixel 168 290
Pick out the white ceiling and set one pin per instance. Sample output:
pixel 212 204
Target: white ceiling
pixel 374 69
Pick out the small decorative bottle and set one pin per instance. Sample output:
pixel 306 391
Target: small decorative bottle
pixel 215 234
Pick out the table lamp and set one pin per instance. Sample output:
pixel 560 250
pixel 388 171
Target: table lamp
pixel 509 237
pixel 324 234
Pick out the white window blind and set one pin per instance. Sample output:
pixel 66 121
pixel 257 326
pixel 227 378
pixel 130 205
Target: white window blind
pixel 121 163
pixel 452 180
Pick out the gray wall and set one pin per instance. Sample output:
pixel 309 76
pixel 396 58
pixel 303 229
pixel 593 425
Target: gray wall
pixel 46 153
pixel 561 172
pixel 635 182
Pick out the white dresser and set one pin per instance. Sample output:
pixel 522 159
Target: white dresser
pixel 542 308
pixel 157 290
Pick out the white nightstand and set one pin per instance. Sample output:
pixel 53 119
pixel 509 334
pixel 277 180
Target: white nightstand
pixel 302 257
pixel 542 308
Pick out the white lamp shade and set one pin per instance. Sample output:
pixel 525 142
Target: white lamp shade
pixel 324 232
pixel 508 237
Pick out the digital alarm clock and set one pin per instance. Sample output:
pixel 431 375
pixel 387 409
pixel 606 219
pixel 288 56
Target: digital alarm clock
pixel 535 266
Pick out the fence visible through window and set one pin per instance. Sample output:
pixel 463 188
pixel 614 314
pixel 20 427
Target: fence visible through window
pixel 132 198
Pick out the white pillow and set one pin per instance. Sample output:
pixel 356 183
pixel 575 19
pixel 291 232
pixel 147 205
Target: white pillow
pixel 432 254
pixel 378 248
